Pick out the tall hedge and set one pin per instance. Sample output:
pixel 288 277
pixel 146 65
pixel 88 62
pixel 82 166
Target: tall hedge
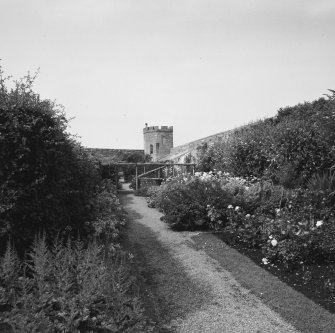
pixel 287 149
pixel 47 181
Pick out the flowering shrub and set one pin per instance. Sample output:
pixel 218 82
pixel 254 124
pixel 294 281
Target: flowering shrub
pixel 184 205
pixel 303 229
pixel 291 226
pixel 289 210
pixel 190 202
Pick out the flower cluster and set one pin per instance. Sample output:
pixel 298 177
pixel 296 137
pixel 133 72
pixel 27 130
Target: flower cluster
pixel 288 225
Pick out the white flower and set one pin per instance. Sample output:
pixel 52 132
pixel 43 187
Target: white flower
pixel 277 210
pixel 247 216
pixel 274 242
pixel 270 236
pixel 319 223
pixel 230 207
pixel 237 208
pixel 265 261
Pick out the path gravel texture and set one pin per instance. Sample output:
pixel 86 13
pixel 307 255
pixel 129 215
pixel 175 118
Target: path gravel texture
pixel 189 290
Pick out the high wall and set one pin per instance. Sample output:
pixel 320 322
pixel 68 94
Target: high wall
pixel 158 141
pixel 178 154
pixel 163 136
pixel 106 156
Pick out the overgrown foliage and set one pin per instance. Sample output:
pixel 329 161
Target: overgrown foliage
pixel 69 288
pixel 47 181
pixel 50 187
pixel 74 285
pixel 287 149
pixel 185 200
pixel 294 226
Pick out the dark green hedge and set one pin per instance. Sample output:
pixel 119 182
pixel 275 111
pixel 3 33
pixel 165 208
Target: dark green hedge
pixel 46 179
pixel 287 149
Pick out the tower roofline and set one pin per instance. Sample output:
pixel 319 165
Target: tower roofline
pixel 157 129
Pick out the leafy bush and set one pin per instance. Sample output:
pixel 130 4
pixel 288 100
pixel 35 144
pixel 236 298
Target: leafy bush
pixel 74 286
pixel 184 205
pixel 186 200
pixel 47 180
pixel 287 149
pixel 303 229
pixel 146 190
pixel 49 183
pixel 109 217
pixel 68 289
pixel 205 158
pixel 291 226
pixel 244 228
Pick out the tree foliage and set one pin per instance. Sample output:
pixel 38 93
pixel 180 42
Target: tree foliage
pixel 46 179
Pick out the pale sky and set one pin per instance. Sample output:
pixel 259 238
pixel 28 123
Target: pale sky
pixel 202 66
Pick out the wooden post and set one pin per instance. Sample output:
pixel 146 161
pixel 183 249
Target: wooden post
pixel 116 175
pixel 136 177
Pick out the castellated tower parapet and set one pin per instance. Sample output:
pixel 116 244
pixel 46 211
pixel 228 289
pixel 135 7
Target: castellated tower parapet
pixel 158 141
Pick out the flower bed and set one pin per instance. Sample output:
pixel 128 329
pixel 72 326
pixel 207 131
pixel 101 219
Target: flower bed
pixel 316 281
pixel 290 226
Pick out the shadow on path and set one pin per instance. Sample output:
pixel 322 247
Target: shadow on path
pixel 194 282
pixel 167 291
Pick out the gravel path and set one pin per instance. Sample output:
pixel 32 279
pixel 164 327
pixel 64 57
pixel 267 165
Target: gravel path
pixel 190 291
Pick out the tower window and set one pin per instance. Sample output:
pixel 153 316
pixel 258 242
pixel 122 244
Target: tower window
pixel 157 147
pixel 151 149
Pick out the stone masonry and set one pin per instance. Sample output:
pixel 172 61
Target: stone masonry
pixel 179 153
pixel 158 141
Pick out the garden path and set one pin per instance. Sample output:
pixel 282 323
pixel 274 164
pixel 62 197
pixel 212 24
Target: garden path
pixel 186 290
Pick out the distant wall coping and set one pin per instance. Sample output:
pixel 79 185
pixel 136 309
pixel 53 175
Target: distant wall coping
pixel 114 150
pixel 181 150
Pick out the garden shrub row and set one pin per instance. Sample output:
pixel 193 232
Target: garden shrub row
pixel 73 285
pixel 61 266
pixel 287 149
pixel 47 180
pixel 278 192
pixel 294 226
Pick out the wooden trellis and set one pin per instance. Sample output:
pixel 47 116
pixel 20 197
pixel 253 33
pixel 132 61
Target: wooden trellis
pixel 158 170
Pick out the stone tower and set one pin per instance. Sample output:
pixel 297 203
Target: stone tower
pixel 157 141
